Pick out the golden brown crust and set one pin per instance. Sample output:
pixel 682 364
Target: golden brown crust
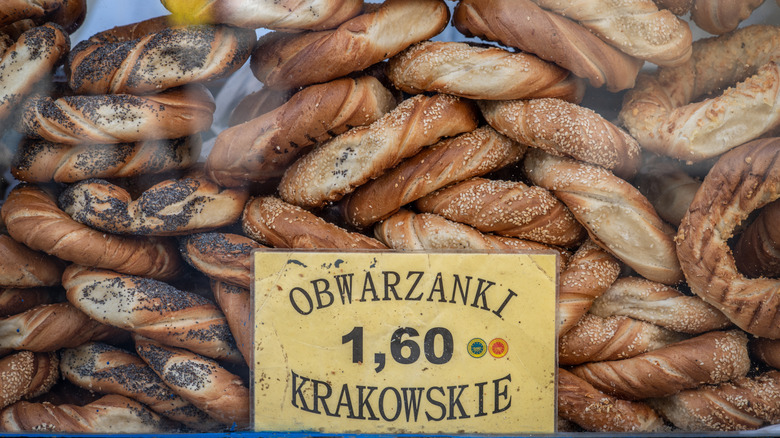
pixel 596 339
pixel 111 370
pixel 743 180
pixel 26 374
pixel 659 304
pixel 552 37
pixel 172 207
pixel 565 129
pixel 43 161
pixel 743 404
pixel 23 267
pixel 713 357
pixel 109 414
pixel 15 10
pixel 236 304
pixel 153 309
pixel 33 218
pixel 271 221
pixel 616 215
pixel 221 256
pixel 258 103
pixel 165 57
pixel 201 381
pixel 119 118
pixel 285 60
pixel 479 72
pixel 590 271
pixel 637 28
pixel 658 112
pixel 18 300
pixel 721 16
pixel 757 252
pixel 32 57
pixel 285 15
pixel 508 208
pixel 338 166
pixel 451 160
pixel 263 148
pixel 766 351
pixel 580 402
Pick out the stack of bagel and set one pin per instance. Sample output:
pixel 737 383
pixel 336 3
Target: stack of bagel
pixel 127 273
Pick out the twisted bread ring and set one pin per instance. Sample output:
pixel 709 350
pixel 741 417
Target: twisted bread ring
pixel 153 56
pixel 338 166
pixel 743 180
pixel 67 13
pixel 287 15
pixel 566 129
pixel 658 112
pixel 478 72
pixel 615 214
pixel 721 16
pixel 43 161
pixel 451 160
pixel 23 267
pixel 221 256
pixel 285 60
pixel 713 357
pixel 172 207
pixel 271 221
pixel 552 37
pixel 18 300
pixel 236 304
pixel 151 308
pixel 26 375
pixel 27 61
pixel 119 118
pixel 767 351
pixel 33 218
pixel 508 208
pixel 262 148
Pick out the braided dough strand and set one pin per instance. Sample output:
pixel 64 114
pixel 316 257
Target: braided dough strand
pixel 743 180
pixel 720 16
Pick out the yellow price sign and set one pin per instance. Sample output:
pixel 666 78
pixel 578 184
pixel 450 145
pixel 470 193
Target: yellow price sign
pixel 404 342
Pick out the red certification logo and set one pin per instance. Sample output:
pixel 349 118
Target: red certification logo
pixel 498 348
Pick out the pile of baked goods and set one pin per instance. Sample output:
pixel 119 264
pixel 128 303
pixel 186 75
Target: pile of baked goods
pixel 125 272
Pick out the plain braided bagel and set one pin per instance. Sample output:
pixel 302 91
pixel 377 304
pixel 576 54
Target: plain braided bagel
pixel 119 118
pixel 721 16
pixel 153 56
pixel 660 114
pixel 285 60
pixel 172 207
pixel 33 56
pixel 23 267
pixel 743 180
pixel 480 72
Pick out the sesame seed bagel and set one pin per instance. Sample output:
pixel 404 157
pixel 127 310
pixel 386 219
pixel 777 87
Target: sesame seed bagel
pixel 451 160
pixel 221 256
pixel 742 181
pixel 524 25
pixel 285 60
pixel 637 28
pixel 508 208
pixel 33 56
pixel 479 72
pixel 713 357
pixel 26 375
pixel 155 56
pixel 172 207
pixel 262 148
pixel 664 113
pixel 153 309
pixel 566 129
pixel 199 380
pixel 338 166
pixel 110 370
pixel 119 118
pixel 33 218
pixel 615 214
pixel 43 161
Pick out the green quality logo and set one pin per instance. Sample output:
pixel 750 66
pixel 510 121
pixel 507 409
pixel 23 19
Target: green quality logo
pixel 477 347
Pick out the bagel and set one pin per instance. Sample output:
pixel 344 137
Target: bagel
pixel 221 256
pixel 26 375
pixel 236 304
pixel 18 300
pixel 23 267
pixel 286 60
pixel 67 13
pixel 658 112
pixel 119 118
pixel 720 16
pixel 478 72
pixel 172 207
pixel 33 218
pixel 43 161
pixel 757 252
pixel 22 65
pixel 153 56
pixel 743 180
pixel 288 15
pixel 552 37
